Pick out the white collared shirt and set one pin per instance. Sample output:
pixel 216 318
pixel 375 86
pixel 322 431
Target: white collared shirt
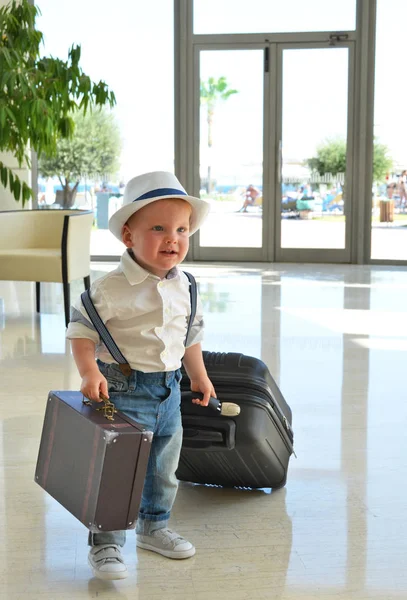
pixel 146 316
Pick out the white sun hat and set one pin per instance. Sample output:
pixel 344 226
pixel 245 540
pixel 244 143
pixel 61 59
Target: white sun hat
pixel 150 187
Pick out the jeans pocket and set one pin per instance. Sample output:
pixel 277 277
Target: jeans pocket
pixel 117 382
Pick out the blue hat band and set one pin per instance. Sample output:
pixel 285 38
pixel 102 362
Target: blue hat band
pixel 161 192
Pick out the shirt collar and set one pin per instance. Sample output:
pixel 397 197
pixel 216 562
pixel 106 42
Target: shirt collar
pixel 135 274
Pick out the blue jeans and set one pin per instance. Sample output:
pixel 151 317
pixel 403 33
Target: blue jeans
pixel 153 400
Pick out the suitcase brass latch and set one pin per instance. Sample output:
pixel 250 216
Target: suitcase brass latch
pixel 108 407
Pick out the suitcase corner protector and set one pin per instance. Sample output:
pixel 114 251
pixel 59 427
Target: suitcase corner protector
pixel 147 436
pixel 110 436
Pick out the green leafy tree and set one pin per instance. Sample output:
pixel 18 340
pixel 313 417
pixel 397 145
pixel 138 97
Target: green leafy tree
pixel 331 158
pixel 382 162
pixel 92 151
pixel 213 91
pixel 38 95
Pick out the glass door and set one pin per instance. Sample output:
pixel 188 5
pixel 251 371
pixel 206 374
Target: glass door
pixel 272 151
pixel 313 191
pixel 230 149
pixel 389 193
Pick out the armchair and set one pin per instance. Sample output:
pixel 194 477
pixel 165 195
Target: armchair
pixel 46 245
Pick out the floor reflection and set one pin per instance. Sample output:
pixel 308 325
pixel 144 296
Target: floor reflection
pixel 334 338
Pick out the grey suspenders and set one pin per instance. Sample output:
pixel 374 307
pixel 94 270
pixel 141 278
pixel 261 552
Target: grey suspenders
pixel 193 296
pixel 107 338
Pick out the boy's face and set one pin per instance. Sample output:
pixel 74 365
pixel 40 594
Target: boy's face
pixel 158 234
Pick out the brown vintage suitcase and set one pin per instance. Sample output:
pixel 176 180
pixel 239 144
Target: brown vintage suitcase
pixel 93 466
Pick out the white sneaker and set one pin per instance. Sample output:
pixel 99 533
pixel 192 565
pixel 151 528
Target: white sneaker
pixel 107 562
pixel 166 542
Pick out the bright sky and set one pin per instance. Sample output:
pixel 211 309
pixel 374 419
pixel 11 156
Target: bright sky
pixel 241 16
pixel 312 111
pixel 131 48
pixel 129 45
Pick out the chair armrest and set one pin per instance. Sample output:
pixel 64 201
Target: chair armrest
pixel 76 244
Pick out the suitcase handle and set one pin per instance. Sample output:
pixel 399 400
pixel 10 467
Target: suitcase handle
pixel 208 433
pixel 202 436
pixel 226 409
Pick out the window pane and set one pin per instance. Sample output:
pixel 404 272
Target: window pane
pixel 273 16
pixel 231 147
pixel 131 48
pixel 314 149
pixel 389 206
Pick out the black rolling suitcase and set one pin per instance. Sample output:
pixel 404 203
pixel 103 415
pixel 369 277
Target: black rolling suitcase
pixel 249 450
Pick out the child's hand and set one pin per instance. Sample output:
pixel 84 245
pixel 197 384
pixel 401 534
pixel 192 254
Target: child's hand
pixel 94 384
pixel 203 385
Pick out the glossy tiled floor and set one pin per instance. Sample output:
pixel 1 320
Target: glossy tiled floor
pixel 335 338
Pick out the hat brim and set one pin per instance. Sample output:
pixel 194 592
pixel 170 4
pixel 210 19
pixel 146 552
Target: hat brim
pixel 200 210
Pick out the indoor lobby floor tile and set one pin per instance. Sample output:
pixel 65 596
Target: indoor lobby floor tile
pixel 335 339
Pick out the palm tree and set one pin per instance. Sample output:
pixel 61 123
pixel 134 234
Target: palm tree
pixel 213 91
